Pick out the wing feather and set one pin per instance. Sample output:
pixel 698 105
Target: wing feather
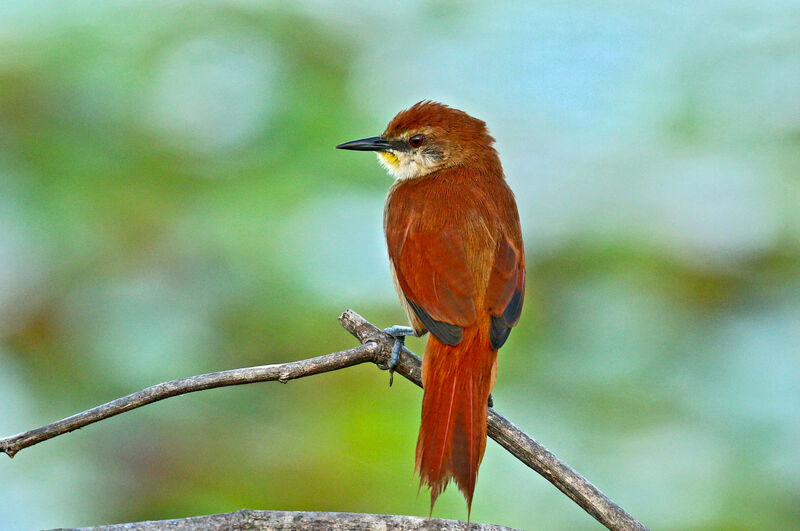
pixel 430 245
pixel 506 291
pixel 434 275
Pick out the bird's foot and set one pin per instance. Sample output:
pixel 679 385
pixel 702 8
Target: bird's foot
pixel 399 334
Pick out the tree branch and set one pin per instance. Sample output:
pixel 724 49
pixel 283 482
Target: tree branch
pixel 376 347
pixel 510 437
pixel 282 372
pixel 271 520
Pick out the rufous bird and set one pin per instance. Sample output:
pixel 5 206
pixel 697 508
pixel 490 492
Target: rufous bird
pixel 457 258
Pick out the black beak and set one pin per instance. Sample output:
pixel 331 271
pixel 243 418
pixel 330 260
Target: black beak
pixel 374 143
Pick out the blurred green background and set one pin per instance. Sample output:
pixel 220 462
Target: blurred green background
pixel 171 204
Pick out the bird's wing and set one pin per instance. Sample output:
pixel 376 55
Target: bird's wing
pixel 434 275
pixel 506 290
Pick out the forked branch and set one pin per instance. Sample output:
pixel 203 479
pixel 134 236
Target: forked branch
pixel 375 347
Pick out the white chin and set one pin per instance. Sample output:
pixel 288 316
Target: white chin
pixel 405 168
pixel 390 168
pixel 403 172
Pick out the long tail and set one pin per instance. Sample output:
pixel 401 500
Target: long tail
pixel 452 438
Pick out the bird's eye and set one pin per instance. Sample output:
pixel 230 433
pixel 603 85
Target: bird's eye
pixel 416 140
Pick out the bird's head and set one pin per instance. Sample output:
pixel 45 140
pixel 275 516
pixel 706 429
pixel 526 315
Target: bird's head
pixel 428 137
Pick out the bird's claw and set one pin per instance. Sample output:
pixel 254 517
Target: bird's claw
pixel 399 334
pixel 394 360
pixel 399 331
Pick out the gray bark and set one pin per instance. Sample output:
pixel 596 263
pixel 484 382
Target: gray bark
pixel 297 520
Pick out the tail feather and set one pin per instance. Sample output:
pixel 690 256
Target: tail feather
pixel 452 437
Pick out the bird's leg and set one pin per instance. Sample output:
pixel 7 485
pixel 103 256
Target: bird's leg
pixel 491 401
pixel 399 334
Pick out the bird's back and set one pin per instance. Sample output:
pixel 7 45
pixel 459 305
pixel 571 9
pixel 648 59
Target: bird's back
pixel 476 208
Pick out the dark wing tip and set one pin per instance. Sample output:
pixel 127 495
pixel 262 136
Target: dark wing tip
pixel 447 333
pixel 502 324
pixel 499 332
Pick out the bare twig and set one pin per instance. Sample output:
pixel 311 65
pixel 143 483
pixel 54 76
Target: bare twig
pixel 376 347
pixel 272 520
pixel 282 372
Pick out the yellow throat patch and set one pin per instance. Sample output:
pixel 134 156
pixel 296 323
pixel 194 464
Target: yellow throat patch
pixel 390 159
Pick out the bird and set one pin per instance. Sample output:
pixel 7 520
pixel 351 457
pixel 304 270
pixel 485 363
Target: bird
pixel 457 258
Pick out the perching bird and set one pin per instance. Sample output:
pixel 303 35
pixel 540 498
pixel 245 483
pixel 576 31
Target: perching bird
pixel 456 253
